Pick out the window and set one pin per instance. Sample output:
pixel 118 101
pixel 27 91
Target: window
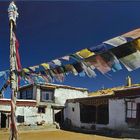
pixel 20 119
pixel 131 108
pixel 47 95
pixel 41 109
pixel 26 94
pixel 102 114
pixel 94 114
pixel 73 109
pixel 87 113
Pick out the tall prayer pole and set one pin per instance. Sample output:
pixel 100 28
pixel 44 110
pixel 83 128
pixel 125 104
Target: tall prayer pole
pixel 12 11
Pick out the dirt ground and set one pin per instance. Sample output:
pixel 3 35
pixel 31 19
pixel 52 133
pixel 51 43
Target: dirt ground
pixel 54 135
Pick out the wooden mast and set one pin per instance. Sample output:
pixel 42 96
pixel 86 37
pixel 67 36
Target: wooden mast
pixel 12 11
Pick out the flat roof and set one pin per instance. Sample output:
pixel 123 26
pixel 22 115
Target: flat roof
pixel 54 86
pixel 110 91
pixel 127 92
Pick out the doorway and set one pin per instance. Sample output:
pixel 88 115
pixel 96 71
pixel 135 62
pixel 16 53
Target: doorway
pixel 59 117
pixel 138 115
pixel 3 120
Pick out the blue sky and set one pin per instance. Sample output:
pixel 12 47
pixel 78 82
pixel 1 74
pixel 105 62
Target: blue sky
pixel 48 30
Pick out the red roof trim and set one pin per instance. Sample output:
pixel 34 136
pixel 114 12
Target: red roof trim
pixel 19 103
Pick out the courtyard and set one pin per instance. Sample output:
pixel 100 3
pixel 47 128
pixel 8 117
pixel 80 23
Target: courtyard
pixel 53 135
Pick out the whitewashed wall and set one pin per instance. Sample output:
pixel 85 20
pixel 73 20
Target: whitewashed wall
pixel 47 117
pixel 62 94
pixel 5 108
pixel 117 114
pixel 74 116
pixel 38 96
pixel 31 115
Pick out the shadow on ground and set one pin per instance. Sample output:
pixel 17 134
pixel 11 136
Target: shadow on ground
pixel 130 134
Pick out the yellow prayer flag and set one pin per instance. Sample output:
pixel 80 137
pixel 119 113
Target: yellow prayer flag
pixel 137 44
pixel 45 65
pixel 26 70
pixel 85 53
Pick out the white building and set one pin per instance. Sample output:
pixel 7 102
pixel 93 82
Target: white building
pixel 40 104
pixel 116 109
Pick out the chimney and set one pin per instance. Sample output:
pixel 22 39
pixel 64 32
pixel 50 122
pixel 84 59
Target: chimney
pixel 128 81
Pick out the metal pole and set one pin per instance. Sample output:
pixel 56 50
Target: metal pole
pixel 12 10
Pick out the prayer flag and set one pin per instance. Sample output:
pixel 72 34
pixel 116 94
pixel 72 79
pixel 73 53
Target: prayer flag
pixel 132 61
pixel 117 41
pixel 85 53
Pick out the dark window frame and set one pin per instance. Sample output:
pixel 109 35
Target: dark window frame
pixel 49 92
pixel 42 109
pixel 73 109
pixel 24 94
pixel 20 119
pixel 130 109
pixel 103 114
pixel 87 113
pixel 94 114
